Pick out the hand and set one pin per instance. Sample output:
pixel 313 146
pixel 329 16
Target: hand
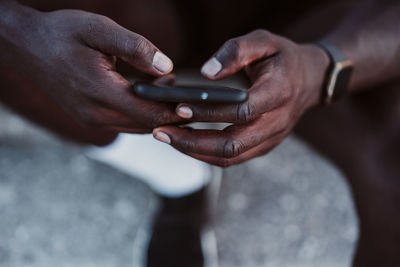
pixel 286 81
pixel 71 56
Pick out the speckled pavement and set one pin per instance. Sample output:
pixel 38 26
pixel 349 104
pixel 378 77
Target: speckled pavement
pixel 58 208
pixel 290 208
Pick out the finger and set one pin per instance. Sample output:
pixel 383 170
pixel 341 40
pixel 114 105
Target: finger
pixel 107 36
pixel 115 93
pixel 257 151
pixel 240 52
pixel 169 79
pixel 127 130
pixel 265 95
pixel 116 121
pixel 228 143
pixel 101 118
pixel 113 120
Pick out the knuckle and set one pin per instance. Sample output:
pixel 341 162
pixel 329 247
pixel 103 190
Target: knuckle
pixel 187 145
pixel 101 20
pixel 232 49
pixel 95 23
pixel 267 37
pixel 87 118
pixel 261 32
pixel 232 148
pixel 95 27
pixel 205 114
pixel 139 46
pixel 246 112
pixel 159 120
pixel 285 95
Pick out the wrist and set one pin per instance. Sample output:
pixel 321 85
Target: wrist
pixel 316 63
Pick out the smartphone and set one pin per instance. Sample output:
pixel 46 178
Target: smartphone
pixel 190 93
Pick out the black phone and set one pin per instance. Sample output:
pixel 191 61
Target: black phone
pixel 190 93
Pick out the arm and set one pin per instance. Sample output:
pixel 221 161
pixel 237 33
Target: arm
pixel 287 80
pixel 370 38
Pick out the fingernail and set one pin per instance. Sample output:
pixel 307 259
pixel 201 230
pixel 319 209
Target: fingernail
pixel 162 63
pixel 211 67
pixel 184 112
pixel 163 137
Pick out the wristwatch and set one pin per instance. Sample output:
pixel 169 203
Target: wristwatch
pixel 338 73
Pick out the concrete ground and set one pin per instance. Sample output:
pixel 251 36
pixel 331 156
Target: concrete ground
pixel 290 208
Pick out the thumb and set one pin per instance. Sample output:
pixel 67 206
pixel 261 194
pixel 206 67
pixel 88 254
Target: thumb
pixel 169 80
pixel 108 37
pixel 239 52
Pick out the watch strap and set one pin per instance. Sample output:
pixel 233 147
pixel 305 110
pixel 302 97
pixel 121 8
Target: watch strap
pixel 338 73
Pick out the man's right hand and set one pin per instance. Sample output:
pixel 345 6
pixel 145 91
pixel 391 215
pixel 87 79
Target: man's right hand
pixel 71 56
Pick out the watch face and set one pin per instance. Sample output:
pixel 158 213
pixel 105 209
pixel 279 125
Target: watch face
pixel 343 74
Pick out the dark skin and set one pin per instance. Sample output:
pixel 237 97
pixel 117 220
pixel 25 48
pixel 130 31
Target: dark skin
pixel 286 82
pixel 293 75
pixel 360 134
pixel 70 57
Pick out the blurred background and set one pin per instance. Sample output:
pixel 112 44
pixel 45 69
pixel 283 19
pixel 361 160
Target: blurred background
pixel 59 208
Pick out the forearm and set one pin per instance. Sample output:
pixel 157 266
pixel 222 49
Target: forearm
pixel 370 38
